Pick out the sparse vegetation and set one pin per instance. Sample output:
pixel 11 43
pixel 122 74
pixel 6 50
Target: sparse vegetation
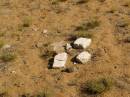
pixel 45 93
pixel 7 56
pixel 1 43
pixel 88 25
pixel 2 34
pixel 127 40
pixel 127 4
pixel 56 1
pixel 13 34
pixel 97 86
pixel 27 21
pixel 47 52
pixel 77 34
pixel 84 34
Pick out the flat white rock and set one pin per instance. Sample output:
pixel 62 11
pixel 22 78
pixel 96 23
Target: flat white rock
pixel 60 60
pixel 82 43
pixel 83 57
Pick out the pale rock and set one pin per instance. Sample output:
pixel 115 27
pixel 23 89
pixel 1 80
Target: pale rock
pixel 58 47
pixel 74 63
pixel 82 43
pixel 83 57
pixel 60 60
pixel 68 46
pixel 45 31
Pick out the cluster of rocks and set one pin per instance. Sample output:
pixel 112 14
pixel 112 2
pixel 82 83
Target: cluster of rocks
pixel 61 58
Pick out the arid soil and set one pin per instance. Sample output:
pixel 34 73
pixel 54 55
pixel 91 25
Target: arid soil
pixel 23 25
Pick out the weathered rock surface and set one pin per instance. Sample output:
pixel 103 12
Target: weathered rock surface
pixel 60 60
pixel 82 43
pixel 68 46
pixel 83 57
pixel 58 47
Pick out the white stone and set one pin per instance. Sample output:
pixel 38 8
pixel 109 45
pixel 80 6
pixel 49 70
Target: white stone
pixel 45 31
pixel 82 43
pixel 83 57
pixel 74 63
pixel 68 46
pixel 60 60
pixel 14 72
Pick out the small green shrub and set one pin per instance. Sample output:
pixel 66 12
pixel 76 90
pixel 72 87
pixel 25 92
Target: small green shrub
pixel 97 87
pixel 127 39
pixel 7 56
pixel 84 34
pixel 27 21
pixel 88 25
pixel 2 34
pixel 107 82
pixel 44 93
pixel 1 43
pixel 77 34
pixel 127 3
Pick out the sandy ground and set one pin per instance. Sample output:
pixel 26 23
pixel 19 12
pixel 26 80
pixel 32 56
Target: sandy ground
pixel 29 74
